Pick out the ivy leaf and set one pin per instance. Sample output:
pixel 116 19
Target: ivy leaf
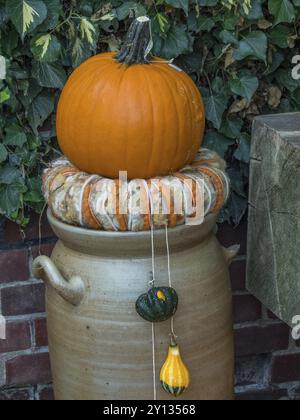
pixel 215 105
pixel 285 79
pixel 275 62
pixel 231 128
pixel 205 24
pixel 245 86
pixel 54 8
pixel 242 153
pixel 34 193
pixel 4 95
pixel 9 174
pixel 80 52
pixel 215 141
pixel 33 91
pixel 87 7
pixel 11 43
pixel 279 36
pixel 231 21
pixel 26 15
pixel 254 44
pixel 45 48
pixel 87 30
pixel 282 10
pixel 228 37
pixel 256 11
pixel 3 153
pixel 179 4
pixel 10 198
pixel 39 110
pixel 162 22
pixel 49 75
pixel 190 63
pixel 15 136
pixel 200 23
pixel 176 42
pixel 18 72
pixel 127 7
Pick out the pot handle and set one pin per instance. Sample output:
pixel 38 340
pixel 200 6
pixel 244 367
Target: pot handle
pixel 72 290
pixel 231 252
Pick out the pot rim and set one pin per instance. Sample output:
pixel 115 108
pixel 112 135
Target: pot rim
pixel 97 242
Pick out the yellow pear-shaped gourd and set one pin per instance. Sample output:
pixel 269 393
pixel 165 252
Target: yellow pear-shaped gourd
pixel 174 375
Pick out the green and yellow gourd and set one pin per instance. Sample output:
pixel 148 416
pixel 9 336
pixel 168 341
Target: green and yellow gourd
pixel 158 304
pixel 174 375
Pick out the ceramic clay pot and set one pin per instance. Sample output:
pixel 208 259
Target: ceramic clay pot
pixel 100 348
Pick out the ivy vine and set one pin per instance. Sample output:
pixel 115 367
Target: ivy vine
pixel 239 52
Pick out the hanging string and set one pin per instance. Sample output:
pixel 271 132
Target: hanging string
pixel 152 283
pixel 168 254
pixel 153 255
pixel 154 363
pixel 173 335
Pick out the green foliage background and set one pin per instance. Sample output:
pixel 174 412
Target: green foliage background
pixel 240 57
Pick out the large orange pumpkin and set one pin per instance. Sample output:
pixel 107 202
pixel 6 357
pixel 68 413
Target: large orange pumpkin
pixel 125 113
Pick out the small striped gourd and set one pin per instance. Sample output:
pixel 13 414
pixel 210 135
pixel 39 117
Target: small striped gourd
pixel 158 304
pixel 174 375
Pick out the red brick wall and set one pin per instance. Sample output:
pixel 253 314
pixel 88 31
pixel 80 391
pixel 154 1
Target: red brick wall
pixel 267 359
pixel 24 359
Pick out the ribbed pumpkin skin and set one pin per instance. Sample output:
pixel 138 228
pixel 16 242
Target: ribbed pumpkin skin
pixel 147 120
pixel 153 308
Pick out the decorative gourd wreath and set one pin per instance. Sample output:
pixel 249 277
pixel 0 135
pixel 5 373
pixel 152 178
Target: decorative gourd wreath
pixel 94 202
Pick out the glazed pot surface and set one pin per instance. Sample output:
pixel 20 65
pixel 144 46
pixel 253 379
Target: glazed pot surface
pixel 101 349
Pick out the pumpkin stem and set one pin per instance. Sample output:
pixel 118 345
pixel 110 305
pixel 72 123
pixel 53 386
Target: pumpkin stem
pixel 138 43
